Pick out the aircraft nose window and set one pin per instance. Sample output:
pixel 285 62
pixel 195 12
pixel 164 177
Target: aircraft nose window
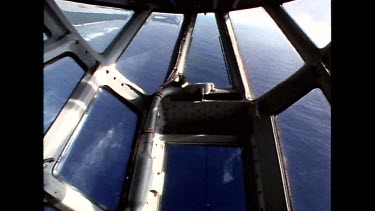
pixel 216 184
pixel 205 62
pixel 186 105
pixel 305 130
pixel 146 60
pixel 314 17
pixel 59 83
pixel 268 55
pixel 97 25
pixel 96 160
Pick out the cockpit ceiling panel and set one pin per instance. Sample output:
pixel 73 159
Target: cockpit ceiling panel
pixel 182 6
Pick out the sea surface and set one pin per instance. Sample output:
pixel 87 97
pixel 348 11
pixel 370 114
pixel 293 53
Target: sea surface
pixel 305 127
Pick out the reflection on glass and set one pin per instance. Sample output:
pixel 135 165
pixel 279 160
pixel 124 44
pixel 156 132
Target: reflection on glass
pixel 305 130
pixel 145 62
pixel 95 162
pixel 268 55
pixel 205 62
pixel 314 17
pixel 60 78
pixel 203 178
pixel 45 37
pixel 98 25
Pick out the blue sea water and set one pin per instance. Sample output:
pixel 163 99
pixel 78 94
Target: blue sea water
pixel 59 82
pixel 146 60
pixel 205 61
pixel 91 164
pixel 217 182
pixel 304 127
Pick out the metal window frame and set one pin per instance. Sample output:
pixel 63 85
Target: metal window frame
pixel 233 57
pixel 65 39
pixel 59 134
pixel 253 199
pixel 315 73
pixel 272 188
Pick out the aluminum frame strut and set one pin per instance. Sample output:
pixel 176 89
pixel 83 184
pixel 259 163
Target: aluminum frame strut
pixel 181 49
pixel 304 46
pixel 65 39
pixel 125 36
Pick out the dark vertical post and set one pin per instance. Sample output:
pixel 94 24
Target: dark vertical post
pixel 125 36
pixel 237 70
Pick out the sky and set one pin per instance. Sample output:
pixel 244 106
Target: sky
pixel 313 16
pixel 79 7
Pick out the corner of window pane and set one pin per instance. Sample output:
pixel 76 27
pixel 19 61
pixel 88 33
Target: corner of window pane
pixel 46 33
pixel 305 139
pixel 205 61
pixel 268 55
pixel 98 25
pixel 60 77
pixel 146 60
pixel 314 17
pixel 95 161
pixel 211 178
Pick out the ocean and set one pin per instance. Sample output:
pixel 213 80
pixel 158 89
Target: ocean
pixel 305 127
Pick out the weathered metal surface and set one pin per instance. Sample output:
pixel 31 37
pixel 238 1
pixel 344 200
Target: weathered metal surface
pixel 66 39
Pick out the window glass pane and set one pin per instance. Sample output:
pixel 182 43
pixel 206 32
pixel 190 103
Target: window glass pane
pixel 305 131
pixel 203 178
pixel 205 61
pixel 98 25
pixel 145 62
pixel 95 161
pixel 314 17
pixel 60 78
pixel 268 55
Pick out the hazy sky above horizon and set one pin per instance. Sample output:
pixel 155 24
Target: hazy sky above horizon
pixel 313 16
